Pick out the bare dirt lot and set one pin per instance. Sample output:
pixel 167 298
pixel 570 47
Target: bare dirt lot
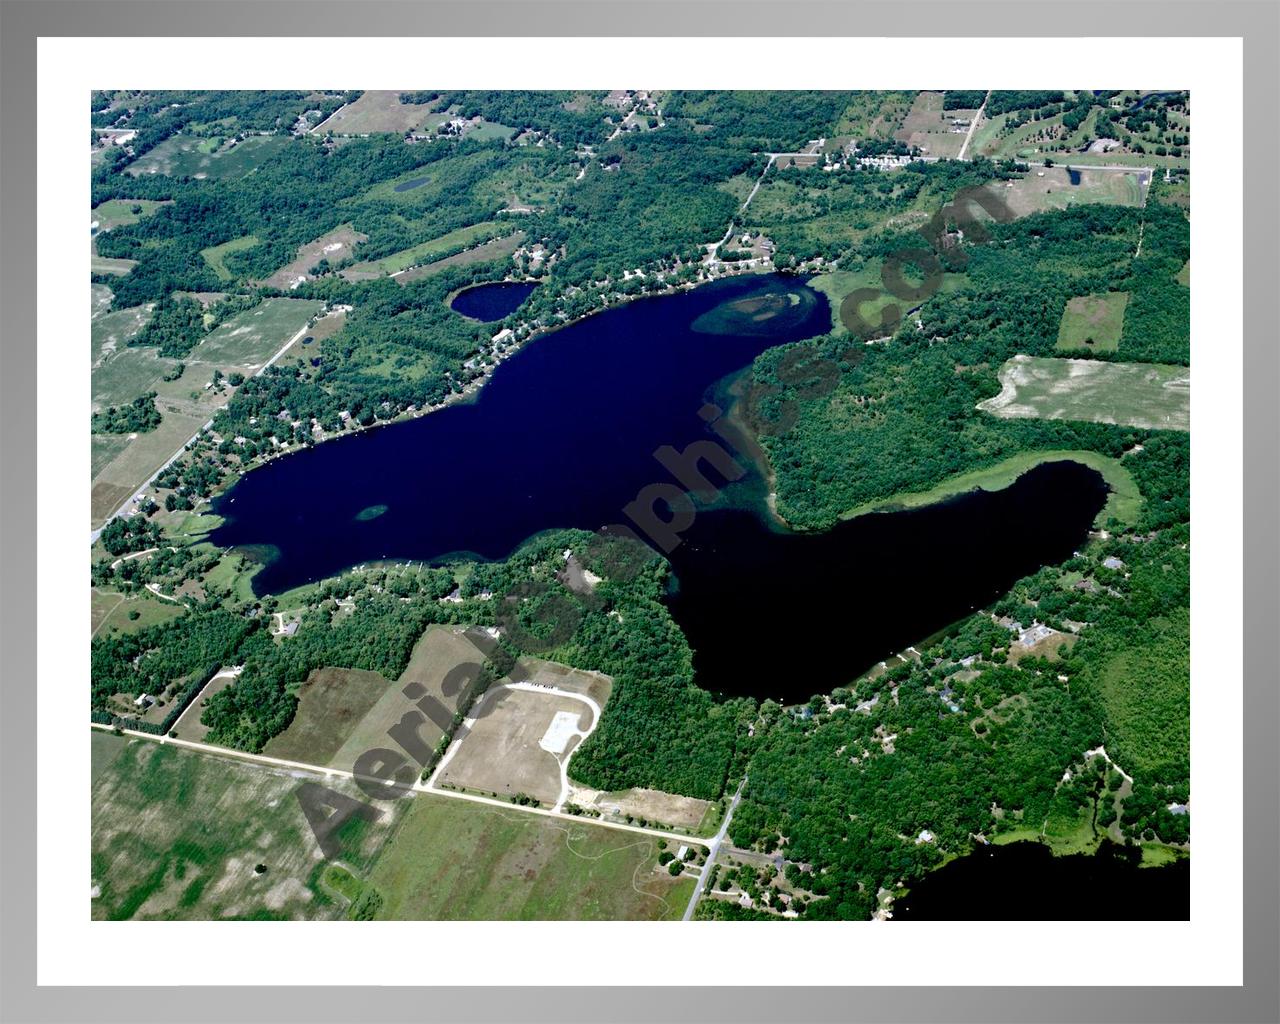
pixel 516 744
pixel 650 804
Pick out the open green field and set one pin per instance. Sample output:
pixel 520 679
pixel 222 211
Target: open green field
pixel 1150 395
pixel 250 338
pixel 111 611
pixel 496 249
pixel 453 860
pixel 115 213
pixel 186 156
pixel 1093 322
pixel 838 285
pixel 216 255
pixel 110 332
pixel 1124 502
pixel 120 374
pixel 874 115
pixel 1184 275
pixel 425 252
pixel 177 835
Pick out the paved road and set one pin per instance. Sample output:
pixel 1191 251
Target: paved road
pixel 418 787
pixel 712 850
pixel 973 125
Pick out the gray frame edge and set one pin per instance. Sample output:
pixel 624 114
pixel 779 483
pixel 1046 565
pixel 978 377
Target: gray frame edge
pixel 23 21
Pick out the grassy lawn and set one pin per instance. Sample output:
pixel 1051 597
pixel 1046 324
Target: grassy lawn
pixel 1093 322
pixel 215 255
pixel 455 860
pixel 177 834
pixel 115 617
pixel 1149 395
pixel 115 213
pixel 1124 502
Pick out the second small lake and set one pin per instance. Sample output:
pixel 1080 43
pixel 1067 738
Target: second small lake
pixel 489 302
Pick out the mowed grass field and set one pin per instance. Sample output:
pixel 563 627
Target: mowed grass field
pixel 1150 395
pixel 177 835
pixel 1092 322
pixel 331 703
pixel 250 338
pixel 380 110
pixel 455 860
pixel 424 252
pixel 495 249
pixel 115 213
pixel 187 156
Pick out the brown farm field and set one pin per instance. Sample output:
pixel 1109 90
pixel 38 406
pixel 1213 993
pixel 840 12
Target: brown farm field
pixel 331 702
pixel 446 664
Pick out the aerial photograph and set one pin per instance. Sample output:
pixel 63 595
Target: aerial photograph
pixel 640 504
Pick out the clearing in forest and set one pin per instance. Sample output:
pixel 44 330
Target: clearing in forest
pixel 1093 322
pixel 1150 395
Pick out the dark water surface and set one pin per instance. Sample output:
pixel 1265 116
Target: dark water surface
pixel 1025 882
pixel 563 435
pixel 490 302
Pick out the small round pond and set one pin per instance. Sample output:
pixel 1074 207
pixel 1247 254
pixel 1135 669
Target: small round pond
pixel 489 302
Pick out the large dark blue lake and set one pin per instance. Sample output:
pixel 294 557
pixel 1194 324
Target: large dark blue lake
pixel 564 435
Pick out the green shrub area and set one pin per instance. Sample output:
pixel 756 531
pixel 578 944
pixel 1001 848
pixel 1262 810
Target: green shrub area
pixel 138 416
